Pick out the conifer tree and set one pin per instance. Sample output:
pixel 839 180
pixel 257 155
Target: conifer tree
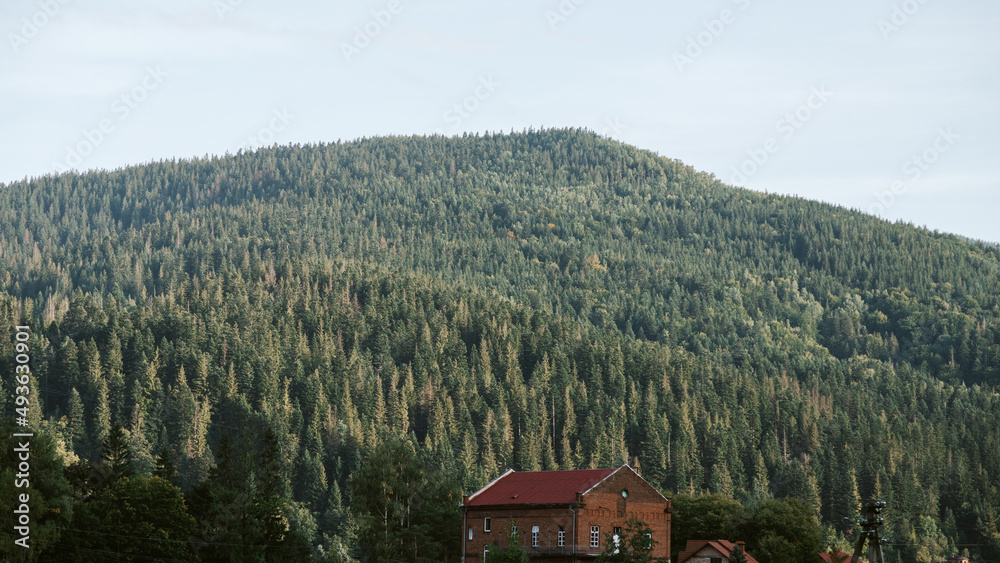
pixel 164 468
pixel 101 418
pixel 116 454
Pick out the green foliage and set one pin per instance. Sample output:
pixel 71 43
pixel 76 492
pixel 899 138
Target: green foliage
pixel 737 556
pixel 241 509
pixel 512 552
pixel 634 546
pixel 119 521
pixel 775 530
pixel 536 300
pixel 779 531
pixel 405 510
pixel 701 517
pixel 117 454
pixel 49 507
pixel 164 467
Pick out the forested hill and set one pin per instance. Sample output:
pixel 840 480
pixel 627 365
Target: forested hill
pixel 548 299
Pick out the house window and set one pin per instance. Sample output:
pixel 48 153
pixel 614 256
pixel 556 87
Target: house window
pixel 595 536
pixel 562 538
pixel 513 535
pixel 470 532
pixel 534 536
pixel 616 537
pixel 716 560
pixel 649 540
pixel 486 551
pixel 486 524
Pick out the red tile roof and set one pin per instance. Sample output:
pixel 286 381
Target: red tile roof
pixel 724 547
pixel 538 487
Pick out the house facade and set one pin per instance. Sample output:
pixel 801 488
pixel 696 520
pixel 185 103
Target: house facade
pixel 562 516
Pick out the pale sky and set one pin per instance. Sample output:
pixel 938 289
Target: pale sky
pixel 886 106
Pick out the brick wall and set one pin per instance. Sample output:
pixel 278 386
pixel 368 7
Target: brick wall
pixel 706 554
pixel 548 519
pixel 606 508
pixel 603 507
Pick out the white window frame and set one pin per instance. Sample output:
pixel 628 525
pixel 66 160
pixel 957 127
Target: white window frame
pixel 595 536
pixel 534 536
pixel 562 538
pixel 486 524
pixel 470 532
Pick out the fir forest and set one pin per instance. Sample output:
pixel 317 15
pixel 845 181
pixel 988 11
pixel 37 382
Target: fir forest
pixel 311 352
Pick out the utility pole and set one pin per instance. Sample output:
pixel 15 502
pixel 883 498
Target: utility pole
pixel 870 533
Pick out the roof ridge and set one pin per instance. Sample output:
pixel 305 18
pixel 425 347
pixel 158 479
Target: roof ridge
pixel 605 478
pixel 539 487
pixel 490 484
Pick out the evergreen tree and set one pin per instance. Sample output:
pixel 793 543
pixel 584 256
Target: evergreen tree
pixel 117 455
pixel 164 468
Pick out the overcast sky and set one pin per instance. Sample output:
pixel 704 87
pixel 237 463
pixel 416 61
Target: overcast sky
pixel 887 106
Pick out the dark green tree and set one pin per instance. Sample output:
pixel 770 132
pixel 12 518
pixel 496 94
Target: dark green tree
pixel 50 497
pixel 701 517
pixel 164 468
pixel 405 511
pixel 119 520
pixel 116 454
pixel 634 546
pixel 779 531
pixel 509 551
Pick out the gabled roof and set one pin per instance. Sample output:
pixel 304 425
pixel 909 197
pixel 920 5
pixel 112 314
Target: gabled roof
pixel 722 546
pixel 539 487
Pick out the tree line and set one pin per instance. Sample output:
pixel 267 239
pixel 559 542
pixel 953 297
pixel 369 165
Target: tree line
pixel 264 322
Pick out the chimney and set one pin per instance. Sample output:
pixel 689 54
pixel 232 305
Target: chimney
pixel 742 546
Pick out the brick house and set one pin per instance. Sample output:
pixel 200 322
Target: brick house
pixel 711 551
pixel 562 516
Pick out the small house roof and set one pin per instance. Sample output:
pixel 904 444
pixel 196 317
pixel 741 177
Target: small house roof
pixel 722 546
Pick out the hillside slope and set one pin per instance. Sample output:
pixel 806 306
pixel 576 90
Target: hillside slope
pixel 537 300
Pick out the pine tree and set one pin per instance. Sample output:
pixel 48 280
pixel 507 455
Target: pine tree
pixel 101 418
pixel 760 487
pixel 164 468
pixel 76 427
pixel 116 454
